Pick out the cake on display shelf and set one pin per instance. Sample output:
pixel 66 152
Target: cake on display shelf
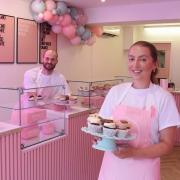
pixel 92 94
pixel 39 118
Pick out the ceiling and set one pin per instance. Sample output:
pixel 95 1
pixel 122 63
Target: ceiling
pixel 85 4
pixel 98 3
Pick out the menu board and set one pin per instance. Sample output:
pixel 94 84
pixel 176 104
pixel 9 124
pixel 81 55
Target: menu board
pixel 27 41
pixel 7 24
pixel 48 39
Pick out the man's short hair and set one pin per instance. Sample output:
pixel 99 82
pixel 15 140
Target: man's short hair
pixel 50 51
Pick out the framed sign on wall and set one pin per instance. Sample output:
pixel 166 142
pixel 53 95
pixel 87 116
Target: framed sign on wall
pixel 164 50
pixel 7 36
pixel 48 40
pixel 27 41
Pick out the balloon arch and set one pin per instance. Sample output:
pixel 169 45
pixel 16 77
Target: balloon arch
pixel 67 20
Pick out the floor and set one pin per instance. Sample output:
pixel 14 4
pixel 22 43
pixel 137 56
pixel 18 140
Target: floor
pixel 170 166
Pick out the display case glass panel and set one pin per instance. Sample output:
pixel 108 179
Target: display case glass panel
pixel 40 112
pixel 92 94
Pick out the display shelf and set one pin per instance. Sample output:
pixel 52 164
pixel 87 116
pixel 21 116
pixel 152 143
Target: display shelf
pixel 91 94
pixel 39 120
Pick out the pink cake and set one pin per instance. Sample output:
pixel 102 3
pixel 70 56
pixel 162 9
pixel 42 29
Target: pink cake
pixel 28 116
pixel 30 132
pixel 48 128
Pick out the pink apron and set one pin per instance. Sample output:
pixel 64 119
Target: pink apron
pixel 114 168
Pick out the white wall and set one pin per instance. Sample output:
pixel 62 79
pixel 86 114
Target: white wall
pixel 101 61
pixel 173 37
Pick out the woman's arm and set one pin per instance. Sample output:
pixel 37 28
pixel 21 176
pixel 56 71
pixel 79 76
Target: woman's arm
pixel 165 146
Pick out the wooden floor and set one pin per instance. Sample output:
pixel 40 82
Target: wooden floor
pixel 170 166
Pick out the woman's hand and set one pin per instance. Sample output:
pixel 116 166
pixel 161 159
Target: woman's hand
pixel 125 151
pixel 165 146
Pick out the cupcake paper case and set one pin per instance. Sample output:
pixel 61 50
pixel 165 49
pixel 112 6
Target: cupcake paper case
pixel 109 129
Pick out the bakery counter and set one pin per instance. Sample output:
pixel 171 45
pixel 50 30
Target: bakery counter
pixel 6 128
pixel 9 151
pixel 176 95
pixel 61 158
pixel 75 110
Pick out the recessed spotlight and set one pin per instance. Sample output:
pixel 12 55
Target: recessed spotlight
pixel 103 1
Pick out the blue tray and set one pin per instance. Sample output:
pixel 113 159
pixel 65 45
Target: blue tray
pixel 107 143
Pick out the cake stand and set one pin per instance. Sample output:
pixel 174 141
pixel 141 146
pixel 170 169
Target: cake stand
pixel 107 143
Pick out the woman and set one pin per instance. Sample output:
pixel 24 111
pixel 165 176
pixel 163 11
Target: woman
pixel 152 113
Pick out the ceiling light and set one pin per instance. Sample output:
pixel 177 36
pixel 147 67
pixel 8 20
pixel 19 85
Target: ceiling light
pixel 103 1
pixel 163 30
pixel 112 30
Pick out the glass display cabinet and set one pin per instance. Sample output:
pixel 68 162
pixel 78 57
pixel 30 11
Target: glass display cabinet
pixel 92 94
pixel 40 112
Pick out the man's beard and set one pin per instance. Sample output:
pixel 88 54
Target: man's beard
pixel 49 67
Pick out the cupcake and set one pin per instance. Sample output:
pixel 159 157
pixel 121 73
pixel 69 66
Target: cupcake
pixel 109 129
pixel 64 98
pixel 73 99
pixel 39 97
pixel 123 124
pixel 107 120
pixel 122 133
pixel 94 123
pixel 31 98
pixel 123 128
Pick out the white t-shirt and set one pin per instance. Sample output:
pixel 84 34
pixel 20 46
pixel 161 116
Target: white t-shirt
pixel 161 99
pixel 34 78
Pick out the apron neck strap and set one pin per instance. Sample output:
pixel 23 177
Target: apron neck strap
pixel 124 93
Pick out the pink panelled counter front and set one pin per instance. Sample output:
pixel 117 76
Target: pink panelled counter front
pixel 176 95
pixel 69 157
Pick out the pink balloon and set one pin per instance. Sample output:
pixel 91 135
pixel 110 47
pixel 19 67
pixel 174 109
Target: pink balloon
pixel 56 29
pixel 76 40
pixel 69 31
pixel 66 20
pixel 37 18
pixel 50 5
pixel 73 22
pixel 60 18
pixel 53 20
pixel 40 16
pixel 97 30
pixel 48 15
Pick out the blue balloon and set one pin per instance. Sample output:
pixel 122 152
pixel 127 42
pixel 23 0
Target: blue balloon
pixel 80 30
pixel 38 7
pixel 86 35
pixel 61 8
pixel 73 12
